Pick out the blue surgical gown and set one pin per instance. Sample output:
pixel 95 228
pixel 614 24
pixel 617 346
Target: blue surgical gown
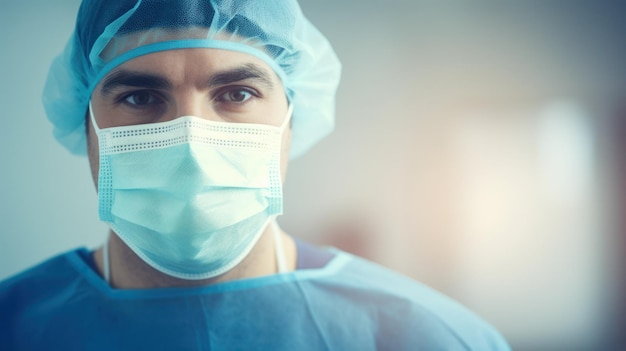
pixel 348 304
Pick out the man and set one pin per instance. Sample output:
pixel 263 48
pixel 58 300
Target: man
pixel 188 112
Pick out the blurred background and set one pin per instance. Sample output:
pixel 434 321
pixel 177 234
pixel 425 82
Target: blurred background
pixel 478 149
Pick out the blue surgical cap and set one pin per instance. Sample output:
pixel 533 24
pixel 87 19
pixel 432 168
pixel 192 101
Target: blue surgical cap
pixel 109 33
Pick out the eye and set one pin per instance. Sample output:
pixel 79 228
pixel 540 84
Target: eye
pixel 237 96
pixel 141 98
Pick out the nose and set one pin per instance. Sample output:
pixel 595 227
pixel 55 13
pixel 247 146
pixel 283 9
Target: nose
pixel 194 104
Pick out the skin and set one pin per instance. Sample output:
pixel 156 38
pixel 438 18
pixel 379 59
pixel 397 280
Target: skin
pixel 218 85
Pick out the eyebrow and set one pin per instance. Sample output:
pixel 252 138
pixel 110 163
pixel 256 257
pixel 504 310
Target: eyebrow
pixel 134 79
pixel 129 78
pixel 247 71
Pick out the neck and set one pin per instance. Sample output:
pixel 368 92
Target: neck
pixel 128 271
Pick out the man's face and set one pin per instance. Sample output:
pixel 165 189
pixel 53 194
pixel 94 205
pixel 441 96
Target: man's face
pixel 218 85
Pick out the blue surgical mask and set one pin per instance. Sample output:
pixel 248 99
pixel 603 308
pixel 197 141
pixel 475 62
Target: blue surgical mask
pixel 190 197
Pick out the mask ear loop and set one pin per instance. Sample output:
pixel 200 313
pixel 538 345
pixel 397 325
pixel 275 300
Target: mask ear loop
pixel 287 118
pixel 281 261
pixel 105 262
pixel 93 119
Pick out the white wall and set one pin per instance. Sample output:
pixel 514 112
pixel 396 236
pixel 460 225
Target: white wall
pixel 47 200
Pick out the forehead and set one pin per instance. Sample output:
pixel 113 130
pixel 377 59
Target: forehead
pixel 187 63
